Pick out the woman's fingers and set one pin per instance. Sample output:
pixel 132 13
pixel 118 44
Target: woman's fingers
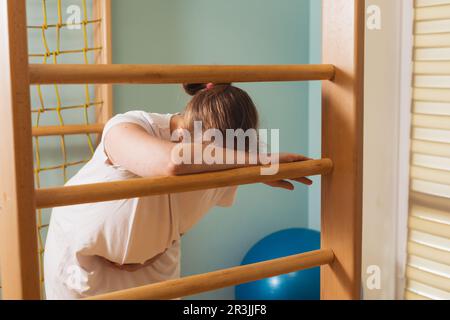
pixel 282 184
pixel 306 181
pixel 286 185
pixel 292 157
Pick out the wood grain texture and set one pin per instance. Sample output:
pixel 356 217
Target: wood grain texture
pixel 18 238
pixel 125 189
pixel 342 141
pixel 103 39
pixel 157 74
pixel 222 278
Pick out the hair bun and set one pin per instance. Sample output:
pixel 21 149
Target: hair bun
pixel 193 88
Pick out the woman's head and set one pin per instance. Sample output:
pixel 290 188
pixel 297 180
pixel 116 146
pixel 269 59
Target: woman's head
pixel 221 107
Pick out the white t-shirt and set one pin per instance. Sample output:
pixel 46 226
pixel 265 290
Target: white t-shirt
pixel 84 239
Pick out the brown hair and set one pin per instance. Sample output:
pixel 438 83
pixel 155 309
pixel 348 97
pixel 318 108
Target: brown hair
pixel 221 107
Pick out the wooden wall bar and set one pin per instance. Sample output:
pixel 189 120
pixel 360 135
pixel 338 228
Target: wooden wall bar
pixel 67 130
pixel 53 197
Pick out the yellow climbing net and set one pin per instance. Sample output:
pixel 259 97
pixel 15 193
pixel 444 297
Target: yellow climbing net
pixel 55 31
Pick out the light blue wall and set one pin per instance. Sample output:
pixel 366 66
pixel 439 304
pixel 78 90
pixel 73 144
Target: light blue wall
pixel 315 111
pixel 225 32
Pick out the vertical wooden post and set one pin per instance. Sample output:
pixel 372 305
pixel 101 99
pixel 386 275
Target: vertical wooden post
pixel 342 141
pixel 102 38
pixel 18 238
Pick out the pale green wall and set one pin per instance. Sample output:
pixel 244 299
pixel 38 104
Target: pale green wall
pixel 225 32
pixel 315 111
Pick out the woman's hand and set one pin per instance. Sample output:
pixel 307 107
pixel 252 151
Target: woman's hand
pixel 285 184
pixel 132 267
pixel 292 157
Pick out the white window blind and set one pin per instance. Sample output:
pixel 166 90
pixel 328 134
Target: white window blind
pixel 428 264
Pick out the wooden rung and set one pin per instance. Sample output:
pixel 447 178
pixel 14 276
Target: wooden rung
pixel 126 189
pixel 156 74
pixel 67 130
pixel 222 278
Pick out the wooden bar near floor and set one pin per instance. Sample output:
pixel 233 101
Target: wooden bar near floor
pixel 18 239
pixel 191 285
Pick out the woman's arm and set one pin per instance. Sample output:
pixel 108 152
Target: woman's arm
pixel 131 147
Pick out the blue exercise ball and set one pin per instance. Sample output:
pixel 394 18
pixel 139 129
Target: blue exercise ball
pixel 300 285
